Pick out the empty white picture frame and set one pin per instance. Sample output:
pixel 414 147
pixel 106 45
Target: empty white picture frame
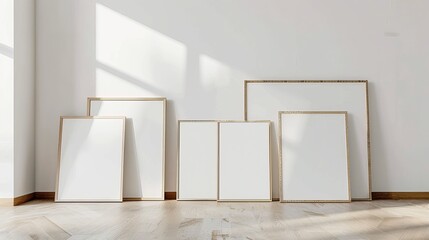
pixel 313 157
pixel 265 98
pixel 90 159
pixel 244 161
pixel 144 165
pixel 197 160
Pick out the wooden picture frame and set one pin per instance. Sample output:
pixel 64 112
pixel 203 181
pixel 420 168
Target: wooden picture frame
pixel 197 160
pixel 264 98
pixel 144 170
pixel 90 159
pixel 244 147
pixel 314 163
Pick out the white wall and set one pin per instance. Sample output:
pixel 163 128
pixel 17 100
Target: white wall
pixel 6 98
pixel 24 98
pixel 17 97
pixel 65 74
pixel 197 54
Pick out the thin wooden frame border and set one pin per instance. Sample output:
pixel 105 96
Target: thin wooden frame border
pixel 280 113
pixel 178 160
pixel 269 161
pixel 246 82
pixel 164 100
pixel 59 160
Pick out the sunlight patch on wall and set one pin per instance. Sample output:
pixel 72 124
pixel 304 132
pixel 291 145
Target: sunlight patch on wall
pixel 6 22
pixel 214 73
pixel 225 85
pixel 132 49
pixel 109 84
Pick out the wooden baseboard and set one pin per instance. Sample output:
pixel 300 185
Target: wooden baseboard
pixel 131 199
pixel 44 195
pixel 393 196
pixel 17 200
pixel 51 196
pixel 23 199
pixel 170 196
pixel 400 195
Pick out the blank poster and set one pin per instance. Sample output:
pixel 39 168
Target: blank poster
pixel 244 161
pixel 264 99
pixel 91 155
pixel 198 160
pixel 144 145
pixel 314 165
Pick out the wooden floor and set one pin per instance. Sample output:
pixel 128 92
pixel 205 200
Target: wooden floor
pixel 210 220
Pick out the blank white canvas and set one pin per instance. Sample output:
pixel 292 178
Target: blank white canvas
pixel 314 163
pixel 244 161
pixel 198 160
pixel 144 145
pixel 91 160
pixel 265 100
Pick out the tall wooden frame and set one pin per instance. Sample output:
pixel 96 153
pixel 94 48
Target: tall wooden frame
pixel 144 99
pixel 179 198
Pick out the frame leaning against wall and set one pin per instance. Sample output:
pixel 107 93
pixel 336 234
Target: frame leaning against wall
pixel 62 118
pixel 365 82
pixel 269 165
pixel 161 99
pixel 178 159
pixel 280 136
